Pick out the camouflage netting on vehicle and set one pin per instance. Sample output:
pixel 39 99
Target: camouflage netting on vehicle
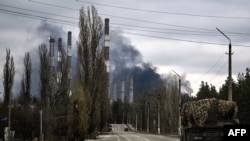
pixel 208 111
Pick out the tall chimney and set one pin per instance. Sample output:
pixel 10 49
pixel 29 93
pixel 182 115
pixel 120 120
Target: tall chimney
pixel 51 54
pixel 131 89
pixel 114 91
pixel 106 51
pixel 51 67
pixel 69 55
pixel 59 61
pixel 122 90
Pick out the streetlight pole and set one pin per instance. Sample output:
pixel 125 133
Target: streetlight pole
pixel 136 121
pixel 158 113
pixel 179 95
pixel 229 66
pixel 148 119
pixel 41 125
pixel 9 118
pixel 159 128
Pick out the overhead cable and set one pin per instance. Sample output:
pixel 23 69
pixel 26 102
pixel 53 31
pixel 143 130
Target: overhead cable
pixel 132 19
pixel 163 12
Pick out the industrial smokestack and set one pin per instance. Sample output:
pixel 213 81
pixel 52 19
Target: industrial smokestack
pixel 131 89
pixel 122 90
pixel 59 61
pixel 51 53
pixel 106 50
pixel 69 55
pixel 106 43
pixel 51 66
pixel 114 91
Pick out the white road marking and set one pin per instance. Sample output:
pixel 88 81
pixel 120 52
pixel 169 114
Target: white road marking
pixel 117 137
pixel 142 138
pixel 115 132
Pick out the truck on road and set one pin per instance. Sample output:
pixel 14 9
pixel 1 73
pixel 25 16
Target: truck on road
pixel 204 119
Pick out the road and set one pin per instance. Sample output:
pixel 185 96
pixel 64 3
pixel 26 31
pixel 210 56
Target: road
pixel 120 135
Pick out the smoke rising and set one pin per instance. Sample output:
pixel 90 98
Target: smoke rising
pixel 126 60
pixel 173 79
pixel 38 36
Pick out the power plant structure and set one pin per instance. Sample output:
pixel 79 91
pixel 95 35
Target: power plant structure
pixel 122 90
pixel 131 89
pixel 59 62
pixel 114 95
pixel 56 76
pixel 69 56
pixel 106 53
pixel 52 70
pixel 51 54
pixel 59 74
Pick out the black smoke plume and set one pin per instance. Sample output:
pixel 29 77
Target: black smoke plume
pixel 126 60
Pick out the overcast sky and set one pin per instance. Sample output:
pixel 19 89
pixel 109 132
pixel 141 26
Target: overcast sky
pixel 177 35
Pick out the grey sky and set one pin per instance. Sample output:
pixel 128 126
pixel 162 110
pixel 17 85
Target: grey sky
pixel 158 29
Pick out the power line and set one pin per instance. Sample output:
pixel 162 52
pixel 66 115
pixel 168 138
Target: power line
pixel 75 24
pixel 179 30
pixel 205 33
pixel 158 23
pixel 145 21
pixel 179 33
pixel 77 18
pixel 58 6
pixel 218 71
pixel 78 10
pixel 29 10
pixel 138 20
pixel 209 69
pixel 183 40
pixel 163 12
pixel 157 28
pixel 38 17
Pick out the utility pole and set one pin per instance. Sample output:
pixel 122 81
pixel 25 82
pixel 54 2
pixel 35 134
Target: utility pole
pixel 136 122
pixel 159 128
pixel 229 66
pixel 9 119
pixel 179 99
pixel 115 118
pixel 148 120
pixel 41 125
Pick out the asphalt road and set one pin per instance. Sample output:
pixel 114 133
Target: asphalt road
pixel 118 134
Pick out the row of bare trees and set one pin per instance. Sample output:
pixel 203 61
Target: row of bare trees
pixel 90 95
pixel 159 101
pixel 83 102
pixel 17 110
pixel 143 112
pixel 70 109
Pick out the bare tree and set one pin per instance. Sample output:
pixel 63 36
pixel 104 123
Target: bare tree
pixel 91 69
pixel 78 119
pixel 26 80
pixel 8 75
pixel 25 112
pixel 44 73
pixel 61 97
pixel 163 98
pixel 171 106
pixel 46 91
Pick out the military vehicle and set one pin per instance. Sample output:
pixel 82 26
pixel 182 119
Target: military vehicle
pixel 204 119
